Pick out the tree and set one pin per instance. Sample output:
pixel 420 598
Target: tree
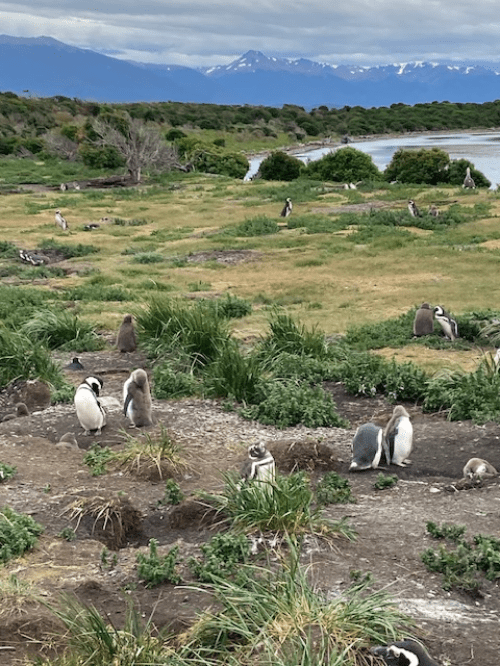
pixel 280 166
pixel 141 145
pixel 346 165
pixel 427 166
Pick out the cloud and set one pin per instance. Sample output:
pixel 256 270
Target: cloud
pixel 200 33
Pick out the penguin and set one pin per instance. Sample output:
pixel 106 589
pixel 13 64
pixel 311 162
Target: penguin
pixel 423 324
pixel 398 437
pixel 126 340
pixel 68 441
pixel 448 324
pixel 32 258
pixel 74 365
pixel 60 221
pixel 137 399
pixel 433 211
pixel 21 410
pixel 366 447
pixel 260 464
pixel 404 653
pixel 89 411
pixel 412 207
pixel 63 187
pixel 91 226
pixel 287 208
pixel 469 181
pixel 477 468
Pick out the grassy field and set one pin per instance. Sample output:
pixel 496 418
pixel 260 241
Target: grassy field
pixel 330 270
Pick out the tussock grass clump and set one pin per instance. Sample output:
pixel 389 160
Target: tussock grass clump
pixel 279 616
pixel 99 292
pixel 169 384
pixel 21 358
pixel 197 331
pixel 18 533
pixel 234 375
pixel 286 335
pixel 62 330
pixel 254 226
pixel 68 251
pixel 148 258
pixel 285 506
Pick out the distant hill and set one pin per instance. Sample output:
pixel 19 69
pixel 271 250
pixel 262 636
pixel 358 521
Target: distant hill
pixel 45 67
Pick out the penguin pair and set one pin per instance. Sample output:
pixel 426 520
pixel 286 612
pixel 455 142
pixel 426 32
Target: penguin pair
pixel 447 323
pixel 137 399
pixel 260 464
pixel 404 653
pixel 395 441
pixel 287 208
pixel 89 411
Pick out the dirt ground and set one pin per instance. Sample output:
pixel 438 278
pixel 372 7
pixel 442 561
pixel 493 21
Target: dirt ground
pixel 100 565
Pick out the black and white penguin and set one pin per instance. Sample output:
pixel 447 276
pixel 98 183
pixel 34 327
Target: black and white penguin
pixel 60 221
pixel 448 324
pixel 469 181
pixel 32 258
pixel 477 468
pixel 398 437
pixel 126 340
pixel 404 653
pixel 91 226
pixel 89 411
pixel 287 208
pixel 366 447
pixel 74 365
pixel 137 399
pixel 423 324
pixel 412 207
pixel 260 464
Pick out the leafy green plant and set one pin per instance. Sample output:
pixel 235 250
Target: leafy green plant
pixel 222 555
pixel 169 384
pixel 334 489
pixel 286 335
pixel 155 569
pixel 173 493
pixel 6 471
pixel 18 533
pixel 384 481
pixel 68 534
pixel 446 531
pixel 280 166
pixel 97 458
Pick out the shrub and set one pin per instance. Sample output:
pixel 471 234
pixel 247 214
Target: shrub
pixel 425 165
pixel 457 170
pixel 233 307
pixel 385 481
pixel 286 335
pixel 334 489
pixel 6 471
pixel 280 166
pixel 222 556
pixel 21 358
pixel 346 165
pixel 155 569
pixel 18 533
pixel 254 226
pixel 69 251
pixel 173 493
pixel 62 330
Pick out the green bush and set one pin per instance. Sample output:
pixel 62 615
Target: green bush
pixel 21 358
pixel 69 251
pixel 173 493
pixel 384 481
pixel 97 458
pixel 426 165
pixel 234 375
pixel 457 170
pixel 334 489
pixel 62 330
pixel 280 166
pixel 286 335
pixel 346 165
pixel 100 157
pixel 155 569
pixel 18 533
pixel 222 556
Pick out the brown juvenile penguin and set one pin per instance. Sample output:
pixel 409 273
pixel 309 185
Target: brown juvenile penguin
pixel 423 324
pixel 477 468
pixel 126 340
pixel 137 399
pixel 21 410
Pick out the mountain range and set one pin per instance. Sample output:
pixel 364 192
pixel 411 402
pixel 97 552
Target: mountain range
pixel 45 67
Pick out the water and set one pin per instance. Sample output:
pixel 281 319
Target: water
pixel 480 148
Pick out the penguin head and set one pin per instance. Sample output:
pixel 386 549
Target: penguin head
pixel 257 451
pixel 95 383
pixel 438 311
pixel 425 306
pixel 404 653
pixel 139 377
pixel 127 319
pixel 399 410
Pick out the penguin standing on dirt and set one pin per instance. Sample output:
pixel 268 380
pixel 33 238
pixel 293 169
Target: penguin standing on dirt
pixel 60 221
pixel 398 437
pixel 287 208
pixel 126 340
pixel 366 447
pixel 448 324
pixel 260 464
pixel 412 207
pixel 89 411
pixel 137 399
pixel 423 324
pixel 404 653
pixel 477 468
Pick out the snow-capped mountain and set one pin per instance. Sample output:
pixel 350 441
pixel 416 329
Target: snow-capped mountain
pixel 46 67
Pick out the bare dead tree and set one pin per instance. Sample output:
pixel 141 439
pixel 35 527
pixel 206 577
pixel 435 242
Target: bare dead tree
pixel 140 144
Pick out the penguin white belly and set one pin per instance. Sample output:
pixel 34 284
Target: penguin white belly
pixel 265 470
pixel 125 394
pixel 403 441
pixel 88 410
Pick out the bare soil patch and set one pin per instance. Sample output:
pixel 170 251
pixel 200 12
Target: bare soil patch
pixel 51 481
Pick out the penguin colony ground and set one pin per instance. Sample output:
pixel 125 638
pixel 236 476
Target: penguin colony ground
pixel 137 399
pixel 89 411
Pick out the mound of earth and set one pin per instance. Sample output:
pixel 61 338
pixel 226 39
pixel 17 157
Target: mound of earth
pixel 55 486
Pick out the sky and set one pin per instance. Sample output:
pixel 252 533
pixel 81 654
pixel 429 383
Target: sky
pixel 215 32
